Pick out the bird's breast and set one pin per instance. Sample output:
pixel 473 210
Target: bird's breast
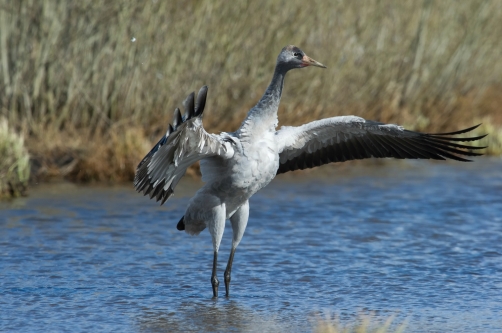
pixel 236 179
pixel 258 164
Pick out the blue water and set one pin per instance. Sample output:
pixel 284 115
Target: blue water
pixel 418 240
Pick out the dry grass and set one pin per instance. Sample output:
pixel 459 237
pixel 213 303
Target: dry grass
pixel 14 162
pixel 365 324
pixel 95 82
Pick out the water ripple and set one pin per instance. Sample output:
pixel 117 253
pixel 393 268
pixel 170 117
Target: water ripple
pixel 420 240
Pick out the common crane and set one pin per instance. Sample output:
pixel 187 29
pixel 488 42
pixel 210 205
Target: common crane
pixel 236 165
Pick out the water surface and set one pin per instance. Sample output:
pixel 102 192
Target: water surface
pixel 419 240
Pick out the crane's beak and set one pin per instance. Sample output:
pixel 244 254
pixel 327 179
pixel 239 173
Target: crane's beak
pixel 308 61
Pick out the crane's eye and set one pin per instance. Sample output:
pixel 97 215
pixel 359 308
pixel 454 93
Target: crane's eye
pixel 297 55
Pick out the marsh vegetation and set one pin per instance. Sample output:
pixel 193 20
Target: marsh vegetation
pixel 93 84
pixel 14 162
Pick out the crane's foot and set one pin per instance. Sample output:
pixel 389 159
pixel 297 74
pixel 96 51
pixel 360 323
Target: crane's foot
pixel 215 283
pixel 227 283
pixel 228 272
pixel 214 280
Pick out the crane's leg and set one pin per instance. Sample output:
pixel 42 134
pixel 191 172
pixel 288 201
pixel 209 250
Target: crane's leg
pixel 214 280
pixel 239 222
pixel 207 210
pixel 228 272
pixel 216 226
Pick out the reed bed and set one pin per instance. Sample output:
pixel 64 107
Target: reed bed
pixel 14 162
pixel 94 83
pixel 364 324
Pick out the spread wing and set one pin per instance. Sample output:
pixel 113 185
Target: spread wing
pixel 185 143
pixel 346 138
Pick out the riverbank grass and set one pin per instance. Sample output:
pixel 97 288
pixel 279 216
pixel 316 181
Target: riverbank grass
pixel 365 324
pixel 96 83
pixel 14 162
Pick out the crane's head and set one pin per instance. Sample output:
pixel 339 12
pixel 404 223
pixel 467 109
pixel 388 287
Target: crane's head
pixel 292 57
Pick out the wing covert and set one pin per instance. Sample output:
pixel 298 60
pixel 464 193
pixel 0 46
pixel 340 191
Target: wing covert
pixel 339 139
pixel 184 143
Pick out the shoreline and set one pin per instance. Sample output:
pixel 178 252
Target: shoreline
pixel 112 157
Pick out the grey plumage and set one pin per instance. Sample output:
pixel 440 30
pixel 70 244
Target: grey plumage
pixel 341 139
pixel 151 178
pixel 236 165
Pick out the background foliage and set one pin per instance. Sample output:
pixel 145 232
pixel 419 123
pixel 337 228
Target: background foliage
pixel 14 162
pixel 93 84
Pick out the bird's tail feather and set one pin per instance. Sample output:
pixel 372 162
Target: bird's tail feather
pixel 181 224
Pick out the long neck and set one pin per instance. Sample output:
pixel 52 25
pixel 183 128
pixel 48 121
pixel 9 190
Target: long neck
pixel 269 102
pixel 263 116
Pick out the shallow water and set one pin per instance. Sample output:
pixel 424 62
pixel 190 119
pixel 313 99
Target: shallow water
pixel 418 240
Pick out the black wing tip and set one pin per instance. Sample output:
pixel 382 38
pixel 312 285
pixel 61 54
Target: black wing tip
pixel 192 110
pixel 443 138
pixel 164 195
pixel 181 224
pixel 189 104
pixel 152 151
pixel 141 180
pixel 143 184
pixel 177 119
pixel 201 101
pixel 449 148
pixel 465 130
pixel 418 146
